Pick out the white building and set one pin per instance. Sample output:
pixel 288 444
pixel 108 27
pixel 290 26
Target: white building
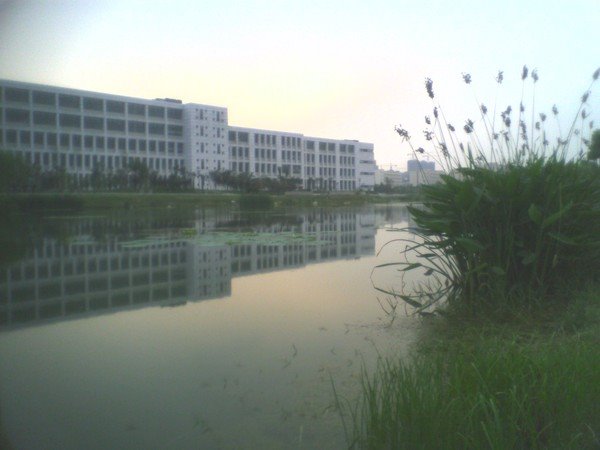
pixel 81 131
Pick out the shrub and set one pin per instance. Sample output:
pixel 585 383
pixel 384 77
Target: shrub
pixel 511 217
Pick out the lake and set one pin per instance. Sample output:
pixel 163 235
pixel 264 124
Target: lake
pixel 192 329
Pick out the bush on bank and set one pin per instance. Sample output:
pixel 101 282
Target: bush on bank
pixel 514 217
pixel 502 242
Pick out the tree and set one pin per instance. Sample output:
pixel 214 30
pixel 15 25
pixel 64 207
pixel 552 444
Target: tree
pixel 15 173
pixel 594 152
pixel 140 175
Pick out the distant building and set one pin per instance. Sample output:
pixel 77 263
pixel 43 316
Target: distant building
pixel 417 178
pixel 391 178
pixel 81 131
pixel 414 165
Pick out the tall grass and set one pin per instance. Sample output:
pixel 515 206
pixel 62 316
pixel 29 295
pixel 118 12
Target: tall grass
pixel 495 394
pixel 525 384
pixel 514 216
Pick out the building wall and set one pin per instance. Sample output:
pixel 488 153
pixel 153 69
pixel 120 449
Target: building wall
pixel 82 131
pixel 58 127
pixel 205 129
pixel 414 165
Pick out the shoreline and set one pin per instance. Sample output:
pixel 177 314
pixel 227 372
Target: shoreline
pixel 81 202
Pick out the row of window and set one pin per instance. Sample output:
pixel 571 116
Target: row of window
pixel 287 141
pixel 23 117
pixel 79 306
pixel 93 265
pixel 51 99
pixel 38 139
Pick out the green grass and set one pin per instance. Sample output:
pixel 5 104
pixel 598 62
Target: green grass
pixel 528 383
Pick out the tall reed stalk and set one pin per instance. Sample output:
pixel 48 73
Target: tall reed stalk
pixel 513 215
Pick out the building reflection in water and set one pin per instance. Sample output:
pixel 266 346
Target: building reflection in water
pixel 87 275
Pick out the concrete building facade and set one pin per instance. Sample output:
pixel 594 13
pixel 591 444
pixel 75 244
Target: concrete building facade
pixel 82 131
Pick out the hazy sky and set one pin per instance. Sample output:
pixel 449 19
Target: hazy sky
pixel 339 69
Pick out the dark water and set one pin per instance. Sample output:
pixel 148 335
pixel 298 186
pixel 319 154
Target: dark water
pixel 203 329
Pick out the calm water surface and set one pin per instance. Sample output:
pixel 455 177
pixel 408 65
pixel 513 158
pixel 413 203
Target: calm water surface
pixel 199 330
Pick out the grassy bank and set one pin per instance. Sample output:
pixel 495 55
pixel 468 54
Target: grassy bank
pixel 508 250
pixel 528 383
pixel 134 201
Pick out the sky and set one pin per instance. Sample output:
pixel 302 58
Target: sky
pixel 335 69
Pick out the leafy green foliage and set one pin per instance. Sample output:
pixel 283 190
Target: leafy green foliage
pixel 513 215
pixel 246 182
pixel 594 152
pixel 15 174
pixel 522 228
pixel 18 175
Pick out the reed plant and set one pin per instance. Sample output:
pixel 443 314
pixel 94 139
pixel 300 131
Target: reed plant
pixel 514 215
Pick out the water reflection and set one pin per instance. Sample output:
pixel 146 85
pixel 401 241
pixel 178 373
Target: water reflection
pixel 81 267
pixel 251 371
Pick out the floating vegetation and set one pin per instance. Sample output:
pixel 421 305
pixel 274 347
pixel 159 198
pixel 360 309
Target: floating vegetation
pixel 218 238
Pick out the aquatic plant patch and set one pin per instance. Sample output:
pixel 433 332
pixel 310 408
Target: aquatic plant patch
pixel 218 238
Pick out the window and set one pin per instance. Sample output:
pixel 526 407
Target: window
pixel 25 138
pixel 93 123
pixel 156 128
pixel 175 130
pixel 44 98
pixel 70 120
pixel 173 113
pixel 38 139
pixel 16 95
pixel 136 127
pixel 115 107
pixel 156 111
pixel 17 116
pixel 115 125
pixel 92 104
pixel 76 140
pixel 68 101
pixel 44 118
pixel 136 109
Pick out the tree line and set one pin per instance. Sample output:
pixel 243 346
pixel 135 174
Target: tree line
pixel 246 182
pixel 18 175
